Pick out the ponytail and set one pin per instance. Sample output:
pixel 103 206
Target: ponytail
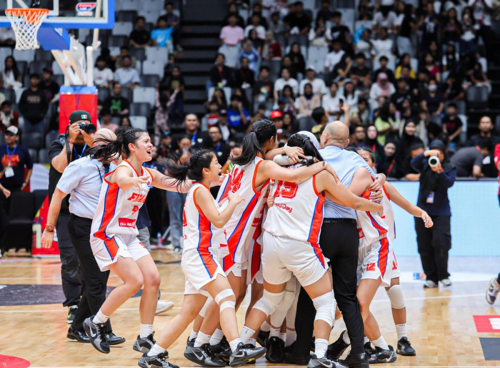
pixel 304 142
pixel 191 169
pixel 108 150
pixel 262 131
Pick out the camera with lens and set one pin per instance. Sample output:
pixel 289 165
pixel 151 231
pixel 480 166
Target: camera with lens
pixel 434 161
pixel 88 128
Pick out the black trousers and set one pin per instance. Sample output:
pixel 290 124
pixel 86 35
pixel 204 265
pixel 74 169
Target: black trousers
pixel 4 216
pixel 339 242
pixel 433 247
pixel 70 271
pixel 94 281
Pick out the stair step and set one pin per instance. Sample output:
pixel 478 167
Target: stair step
pixel 201 30
pixel 196 67
pixel 192 81
pixel 197 109
pixel 203 42
pixel 196 56
pixel 196 94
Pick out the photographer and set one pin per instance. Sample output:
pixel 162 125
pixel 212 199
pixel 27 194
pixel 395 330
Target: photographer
pixel 437 175
pixel 64 150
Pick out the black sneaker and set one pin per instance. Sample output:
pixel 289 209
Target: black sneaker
pixel 369 350
pixel 291 356
pixel 275 350
pixel 336 349
pixel 156 361
pixel 145 344
pixel 71 314
pixel 405 348
pixel 263 336
pixel 221 350
pixel 112 339
pixel 96 334
pixel 315 362
pixel 224 355
pixel 203 356
pixel 190 342
pixel 245 354
pixel 79 336
pixel 383 356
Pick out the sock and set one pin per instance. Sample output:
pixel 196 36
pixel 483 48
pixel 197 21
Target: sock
pixel 266 327
pixel 345 337
pixel 252 342
pixel 320 346
pixel 291 336
pixel 246 333
pixel 401 331
pixel 201 339
pixel 380 342
pixel 216 337
pixel 193 335
pixel 145 330
pixel 234 344
pixel 100 318
pixel 283 336
pixel 366 340
pixel 274 332
pixel 155 350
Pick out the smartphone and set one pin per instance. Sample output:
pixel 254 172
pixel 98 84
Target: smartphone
pixel 341 102
pixel 185 149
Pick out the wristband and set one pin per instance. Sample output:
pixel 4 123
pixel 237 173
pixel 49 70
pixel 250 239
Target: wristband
pixel 49 228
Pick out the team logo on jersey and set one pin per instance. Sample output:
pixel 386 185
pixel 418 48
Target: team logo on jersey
pixel 135 197
pixel 370 267
pixel 125 222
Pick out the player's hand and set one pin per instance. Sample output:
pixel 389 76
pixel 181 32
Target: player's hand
pixel 427 220
pixel 332 171
pixel 74 131
pixel 270 201
pixel 376 196
pixel 236 199
pixel 140 181
pixel 47 239
pixel 295 153
pixel 375 186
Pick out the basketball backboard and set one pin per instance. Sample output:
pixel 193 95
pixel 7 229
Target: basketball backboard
pixel 68 14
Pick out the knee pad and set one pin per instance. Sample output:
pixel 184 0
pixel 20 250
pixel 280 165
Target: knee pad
pixel 205 307
pixel 223 294
pixel 269 302
pixel 227 304
pixel 325 308
pixel 396 296
pixel 289 295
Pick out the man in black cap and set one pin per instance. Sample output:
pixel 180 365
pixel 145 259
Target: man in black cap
pixel 64 150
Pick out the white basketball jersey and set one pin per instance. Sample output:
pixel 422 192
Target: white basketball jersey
pixel 388 215
pixel 240 228
pixel 118 209
pixel 371 226
pixel 297 212
pixel 198 231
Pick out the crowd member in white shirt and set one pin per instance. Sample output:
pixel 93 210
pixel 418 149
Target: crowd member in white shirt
pixel 365 44
pixel 261 31
pixel 318 84
pixel 482 14
pixel 384 45
pixel 285 80
pixel 103 77
pixel 334 57
pixel 127 76
pixel 385 18
pixel 331 101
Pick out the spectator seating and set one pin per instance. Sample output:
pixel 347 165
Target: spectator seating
pixel 21 214
pixel 32 140
pixel 126 16
pixel 477 97
pixel 143 94
pixel 316 57
pixel 127 93
pixel 139 122
pixel 154 67
pixel 34 154
pixel 157 54
pixel 140 109
pixel 138 53
pixel 149 80
pixel 231 54
pixel 103 94
pixel 24 55
pixel 302 40
pixel 460 106
pixel 303 50
pixel 50 137
pixel 122 28
pixel 117 41
pixel 43 156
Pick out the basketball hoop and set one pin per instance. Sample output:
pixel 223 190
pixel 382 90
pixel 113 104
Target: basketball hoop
pixel 25 23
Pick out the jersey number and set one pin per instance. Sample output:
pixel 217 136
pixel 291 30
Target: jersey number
pixel 286 189
pixel 235 180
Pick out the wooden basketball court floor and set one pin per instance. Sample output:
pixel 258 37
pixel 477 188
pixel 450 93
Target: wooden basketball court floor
pixel 441 326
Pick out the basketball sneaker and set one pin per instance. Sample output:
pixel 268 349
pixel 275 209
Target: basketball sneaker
pixel 97 335
pixel 190 342
pixel 492 291
pixel 368 349
pixel 446 282
pixel 163 306
pixel 324 362
pixel 221 350
pixel 429 284
pixel 156 361
pixel 71 314
pixel 275 350
pixel 383 356
pixel 263 336
pixel 245 354
pixel 144 345
pixel 405 348
pixel 203 356
pixel 336 349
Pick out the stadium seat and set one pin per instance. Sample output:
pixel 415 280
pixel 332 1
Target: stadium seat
pixel 42 55
pixel 157 54
pixel 465 120
pixel 138 66
pixel 347 17
pixel 50 137
pixel 150 15
pixel 21 214
pixel 19 92
pixel 139 54
pixel 32 140
pixel 4 52
pixel 102 94
pixel 477 96
pixel 144 94
pixel 38 66
pixel 139 122
pixel 231 54
pixel 316 57
pixel 125 16
pixel 149 80
pixel 130 5
pixel 154 67
pixel 10 94
pixel 306 123
pixel 24 55
pixel 140 109
pixel 484 64
pixel 117 41
pixel 302 40
pixel 460 106
pixel 43 156
pixel 363 24
pixel 33 154
pixel 123 28
pixel 127 93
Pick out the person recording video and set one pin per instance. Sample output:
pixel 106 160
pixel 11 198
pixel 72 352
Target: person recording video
pixel 437 175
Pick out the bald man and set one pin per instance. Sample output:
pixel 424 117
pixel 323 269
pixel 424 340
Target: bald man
pixel 339 242
pixel 199 140
pixel 82 179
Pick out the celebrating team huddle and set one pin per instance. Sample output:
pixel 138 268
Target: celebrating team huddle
pixel 263 230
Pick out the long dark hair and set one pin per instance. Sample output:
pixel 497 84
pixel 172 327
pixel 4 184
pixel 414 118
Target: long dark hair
pixel 304 142
pixel 262 131
pixel 114 148
pixel 14 68
pixel 191 168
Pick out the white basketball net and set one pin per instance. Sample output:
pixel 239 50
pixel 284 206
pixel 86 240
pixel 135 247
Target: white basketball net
pixel 25 23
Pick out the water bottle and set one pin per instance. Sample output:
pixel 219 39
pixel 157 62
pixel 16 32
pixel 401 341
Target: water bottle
pixel 160 240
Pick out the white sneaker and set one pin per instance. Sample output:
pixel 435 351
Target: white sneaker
pixel 163 306
pixel 492 291
pixel 430 284
pixel 178 250
pixel 446 282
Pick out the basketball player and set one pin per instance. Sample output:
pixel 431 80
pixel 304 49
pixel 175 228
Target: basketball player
pixel 291 233
pixel 203 231
pixel 114 234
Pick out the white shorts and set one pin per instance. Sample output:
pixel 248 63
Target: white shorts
pixel 284 257
pixel 375 261
pixel 395 272
pixel 254 261
pixel 200 267
pixel 107 252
